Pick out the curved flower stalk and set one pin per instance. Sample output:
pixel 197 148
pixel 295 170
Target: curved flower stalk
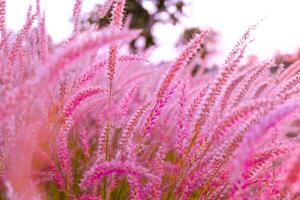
pixel 157 185
pixel 237 115
pixel 78 98
pixel 181 62
pixel 56 64
pixel 228 92
pixel 69 110
pixel 215 88
pixel 135 192
pixel 85 44
pixel 125 103
pixel 116 23
pixel 255 134
pixel 76 23
pixel 260 89
pixel 102 151
pixel 91 72
pixel 182 125
pixel 106 168
pixel 84 142
pixel 261 160
pixel 226 134
pixel 76 17
pixel 250 81
pixel 156 111
pixel 56 174
pixel 2 20
pixel 63 151
pixel 128 133
pixel 21 36
pixel 43 37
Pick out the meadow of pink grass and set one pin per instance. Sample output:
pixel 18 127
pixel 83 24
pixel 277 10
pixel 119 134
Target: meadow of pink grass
pixel 87 120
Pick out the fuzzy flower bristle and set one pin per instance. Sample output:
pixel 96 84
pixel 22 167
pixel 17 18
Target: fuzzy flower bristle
pixel 87 119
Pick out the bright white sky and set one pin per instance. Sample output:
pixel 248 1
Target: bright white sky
pixel 280 31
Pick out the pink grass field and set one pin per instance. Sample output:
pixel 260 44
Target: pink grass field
pixel 86 119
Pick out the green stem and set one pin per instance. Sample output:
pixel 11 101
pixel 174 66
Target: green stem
pixel 104 188
pixel 120 191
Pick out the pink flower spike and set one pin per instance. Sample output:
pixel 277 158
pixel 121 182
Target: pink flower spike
pixel 103 9
pixel 91 177
pixel 156 111
pixel 112 62
pixel 76 18
pixel 79 98
pixel 132 58
pixel 135 188
pixel 116 23
pixel 89 42
pixel 181 121
pixel 38 8
pixel 84 142
pixel 2 18
pixel 21 36
pixel 125 103
pixel 57 176
pixel 181 62
pixel 63 150
pixel 118 13
pixel 215 88
pixel 125 137
pixel 255 134
pixel 43 38
pixel 91 72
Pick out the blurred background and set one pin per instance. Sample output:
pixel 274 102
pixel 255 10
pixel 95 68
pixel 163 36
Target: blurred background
pixel 168 24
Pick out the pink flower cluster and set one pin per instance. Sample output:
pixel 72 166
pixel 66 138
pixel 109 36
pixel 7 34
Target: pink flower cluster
pixel 86 119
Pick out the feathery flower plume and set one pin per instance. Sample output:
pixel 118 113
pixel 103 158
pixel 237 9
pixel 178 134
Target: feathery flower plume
pixel 156 111
pixel 76 17
pixel 43 37
pixel 256 132
pixel 232 134
pixel 57 176
pixel 114 167
pixel 124 147
pixel 63 151
pixel 38 9
pixel 230 66
pixel 83 139
pixel 250 80
pixel 21 36
pixel 182 124
pixel 79 97
pixel 181 62
pixel 2 19
pixel 89 43
pixel 116 23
